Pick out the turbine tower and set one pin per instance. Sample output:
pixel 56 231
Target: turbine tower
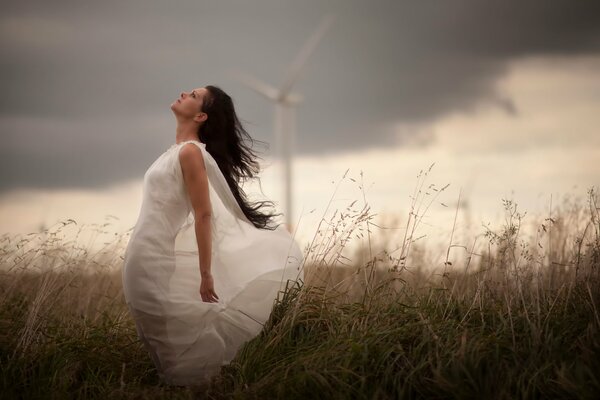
pixel 285 101
pixel 465 201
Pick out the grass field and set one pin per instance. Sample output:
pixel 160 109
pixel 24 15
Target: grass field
pixel 520 319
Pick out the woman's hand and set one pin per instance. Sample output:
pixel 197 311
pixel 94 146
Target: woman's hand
pixel 207 289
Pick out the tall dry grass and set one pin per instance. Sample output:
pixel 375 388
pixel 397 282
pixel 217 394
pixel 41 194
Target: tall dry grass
pixel 517 318
pixel 65 331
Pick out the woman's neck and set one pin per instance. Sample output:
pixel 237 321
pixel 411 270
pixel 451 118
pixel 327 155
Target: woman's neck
pixel 186 131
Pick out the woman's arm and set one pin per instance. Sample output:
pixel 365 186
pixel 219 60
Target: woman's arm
pixel 196 182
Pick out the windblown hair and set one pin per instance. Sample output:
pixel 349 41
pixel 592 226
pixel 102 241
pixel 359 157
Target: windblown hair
pixel 223 135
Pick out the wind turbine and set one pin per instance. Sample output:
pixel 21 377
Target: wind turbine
pixel 285 101
pixel 465 199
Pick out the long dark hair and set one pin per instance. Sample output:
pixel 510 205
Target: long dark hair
pixel 223 135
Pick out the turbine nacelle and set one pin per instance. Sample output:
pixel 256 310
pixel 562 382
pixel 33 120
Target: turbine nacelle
pixel 266 90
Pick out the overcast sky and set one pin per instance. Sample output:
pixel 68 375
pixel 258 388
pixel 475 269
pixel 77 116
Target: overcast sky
pixel 86 85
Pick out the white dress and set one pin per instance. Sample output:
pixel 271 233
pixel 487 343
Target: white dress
pixel 189 339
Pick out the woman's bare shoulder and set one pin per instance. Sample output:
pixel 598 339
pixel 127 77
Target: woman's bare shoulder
pixel 190 157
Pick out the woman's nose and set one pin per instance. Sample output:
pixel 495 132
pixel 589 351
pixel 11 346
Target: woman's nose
pixel 181 95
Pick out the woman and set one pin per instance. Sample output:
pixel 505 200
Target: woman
pixel 203 266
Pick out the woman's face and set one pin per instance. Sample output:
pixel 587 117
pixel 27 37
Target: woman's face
pixel 188 104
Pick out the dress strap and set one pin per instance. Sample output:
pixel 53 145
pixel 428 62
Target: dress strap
pixel 193 141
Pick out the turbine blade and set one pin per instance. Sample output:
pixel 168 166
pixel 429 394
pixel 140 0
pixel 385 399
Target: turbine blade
pixel 299 62
pixel 263 88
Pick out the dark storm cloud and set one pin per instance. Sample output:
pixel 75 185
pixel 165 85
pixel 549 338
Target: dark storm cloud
pixel 86 86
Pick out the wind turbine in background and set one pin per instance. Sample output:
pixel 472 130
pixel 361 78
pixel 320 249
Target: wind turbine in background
pixel 464 203
pixel 285 101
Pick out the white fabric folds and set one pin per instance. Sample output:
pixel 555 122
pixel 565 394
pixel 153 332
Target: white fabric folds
pixel 188 339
